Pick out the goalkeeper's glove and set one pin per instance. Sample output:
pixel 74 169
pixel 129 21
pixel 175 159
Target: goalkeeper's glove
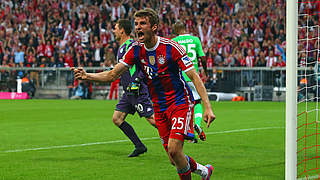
pixel 134 87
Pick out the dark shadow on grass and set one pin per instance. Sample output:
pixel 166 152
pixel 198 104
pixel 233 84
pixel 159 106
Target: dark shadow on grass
pixel 113 152
pixel 252 170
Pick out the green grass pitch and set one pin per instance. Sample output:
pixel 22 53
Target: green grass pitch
pixel 76 140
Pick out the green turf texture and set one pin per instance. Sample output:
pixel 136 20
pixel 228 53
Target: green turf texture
pixel 246 142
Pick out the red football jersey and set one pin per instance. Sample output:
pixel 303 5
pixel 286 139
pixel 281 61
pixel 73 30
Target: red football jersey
pixel 162 65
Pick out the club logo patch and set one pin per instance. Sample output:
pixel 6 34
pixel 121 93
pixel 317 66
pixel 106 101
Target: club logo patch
pixel 152 60
pixel 161 59
pixel 186 61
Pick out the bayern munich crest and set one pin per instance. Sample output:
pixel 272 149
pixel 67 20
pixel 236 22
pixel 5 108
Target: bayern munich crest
pixel 161 59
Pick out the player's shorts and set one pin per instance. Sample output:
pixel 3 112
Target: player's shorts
pixel 195 94
pixel 131 104
pixel 176 122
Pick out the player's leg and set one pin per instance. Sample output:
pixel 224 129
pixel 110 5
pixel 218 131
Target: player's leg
pixel 186 164
pixel 124 108
pixel 175 152
pixel 119 120
pixel 204 171
pixel 151 120
pixel 197 112
pixel 182 121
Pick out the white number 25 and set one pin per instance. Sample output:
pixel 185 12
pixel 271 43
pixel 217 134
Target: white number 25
pixel 179 123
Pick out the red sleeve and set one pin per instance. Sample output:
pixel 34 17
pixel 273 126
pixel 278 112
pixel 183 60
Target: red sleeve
pixel 180 56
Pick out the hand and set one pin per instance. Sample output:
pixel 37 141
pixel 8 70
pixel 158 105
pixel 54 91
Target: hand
pixel 134 87
pixel 208 117
pixel 79 73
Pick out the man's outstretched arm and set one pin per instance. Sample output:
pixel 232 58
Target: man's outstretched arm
pixel 208 115
pixel 105 76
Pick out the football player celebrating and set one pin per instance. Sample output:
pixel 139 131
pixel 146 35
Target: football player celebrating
pixel 162 61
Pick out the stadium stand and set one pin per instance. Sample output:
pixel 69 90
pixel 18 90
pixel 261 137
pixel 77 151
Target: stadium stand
pixel 65 33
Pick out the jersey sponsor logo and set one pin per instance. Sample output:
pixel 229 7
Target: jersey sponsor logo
pixel 152 60
pixel 186 61
pixel 161 59
pixel 149 71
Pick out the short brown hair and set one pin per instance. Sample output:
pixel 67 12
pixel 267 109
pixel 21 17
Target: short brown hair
pixel 178 27
pixel 150 13
pixel 126 25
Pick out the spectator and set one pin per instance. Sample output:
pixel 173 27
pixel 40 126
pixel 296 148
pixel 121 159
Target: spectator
pixel 271 60
pixel 98 52
pixel 84 35
pixel 227 28
pixel 218 61
pixel 248 75
pixel 4 73
pixel 80 91
pixel 280 75
pixel 28 86
pixel 214 77
pixel 19 55
pixel 114 88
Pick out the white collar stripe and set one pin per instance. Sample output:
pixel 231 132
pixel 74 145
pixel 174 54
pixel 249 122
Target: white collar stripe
pixel 155 46
pixel 177 46
pixel 180 50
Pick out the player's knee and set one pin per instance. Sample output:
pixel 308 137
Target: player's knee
pixel 173 151
pixel 117 121
pixel 151 121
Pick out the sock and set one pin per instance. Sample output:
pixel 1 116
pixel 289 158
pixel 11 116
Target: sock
pixel 198 114
pixel 196 167
pixel 192 162
pixel 129 131
pixel 185 173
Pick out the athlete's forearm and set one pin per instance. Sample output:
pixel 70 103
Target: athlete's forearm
pixel 194 77
pixel 106 76
pixel 202 92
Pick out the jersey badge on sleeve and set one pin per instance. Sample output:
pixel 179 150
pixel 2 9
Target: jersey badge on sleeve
pixel 161 59
pixel 186 61
pixel 152 60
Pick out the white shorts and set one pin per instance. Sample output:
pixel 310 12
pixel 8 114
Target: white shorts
pixel 195 94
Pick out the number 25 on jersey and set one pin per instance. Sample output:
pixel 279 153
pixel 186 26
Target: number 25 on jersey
pixel 178 123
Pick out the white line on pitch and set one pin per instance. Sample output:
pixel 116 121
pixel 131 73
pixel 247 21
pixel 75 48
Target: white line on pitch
pixel 126 140
pixel 309 177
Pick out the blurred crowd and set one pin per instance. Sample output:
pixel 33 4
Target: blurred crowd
pixel 65 33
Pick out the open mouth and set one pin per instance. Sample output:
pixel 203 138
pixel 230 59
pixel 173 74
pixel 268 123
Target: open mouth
pixel 140 34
